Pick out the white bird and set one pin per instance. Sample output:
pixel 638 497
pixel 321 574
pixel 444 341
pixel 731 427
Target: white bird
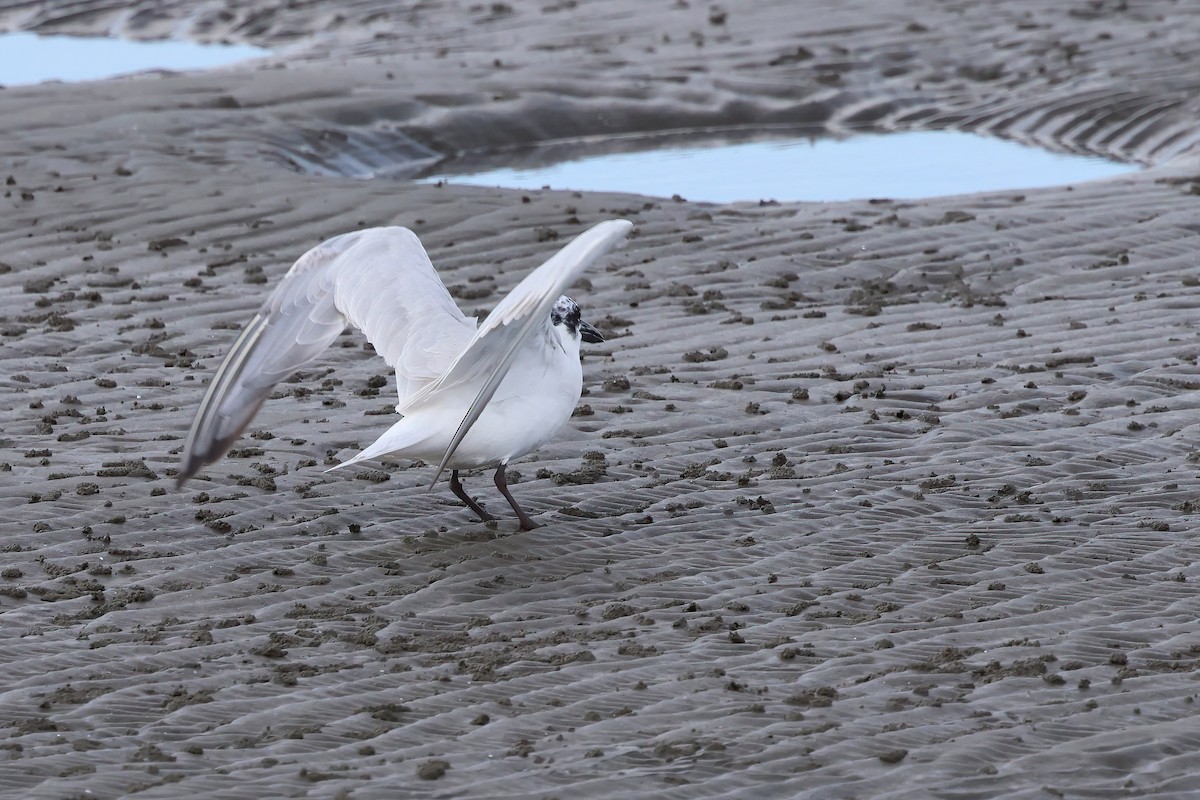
pixel 471 395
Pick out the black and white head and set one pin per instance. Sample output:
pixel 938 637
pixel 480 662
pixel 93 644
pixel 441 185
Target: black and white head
pixel 566 316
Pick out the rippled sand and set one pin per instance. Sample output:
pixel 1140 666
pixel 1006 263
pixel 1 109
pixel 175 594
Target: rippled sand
pixel 869 499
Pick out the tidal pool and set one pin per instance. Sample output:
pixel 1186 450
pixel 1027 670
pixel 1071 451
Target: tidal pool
pixel 27 58
pixel 896 165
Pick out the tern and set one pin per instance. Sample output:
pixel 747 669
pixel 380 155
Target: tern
pixel 471 394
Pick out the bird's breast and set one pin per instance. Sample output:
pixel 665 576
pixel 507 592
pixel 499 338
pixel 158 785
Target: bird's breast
pixel 531 404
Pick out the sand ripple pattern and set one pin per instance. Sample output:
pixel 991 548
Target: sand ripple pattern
pixel 1069 86
pixel 871 499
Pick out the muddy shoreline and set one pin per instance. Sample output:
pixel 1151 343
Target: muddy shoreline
pixel 878 498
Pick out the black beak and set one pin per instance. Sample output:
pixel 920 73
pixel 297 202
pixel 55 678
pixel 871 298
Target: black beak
pixel 589 334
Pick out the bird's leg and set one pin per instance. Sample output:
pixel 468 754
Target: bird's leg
pixel 526 523
pixel 461 494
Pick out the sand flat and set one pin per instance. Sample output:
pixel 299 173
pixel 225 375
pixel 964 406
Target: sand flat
pixel 896 498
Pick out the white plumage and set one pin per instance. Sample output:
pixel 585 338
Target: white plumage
pixel 470 395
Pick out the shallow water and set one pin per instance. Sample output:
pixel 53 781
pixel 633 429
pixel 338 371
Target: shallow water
pixel 28 58
pixel 898 165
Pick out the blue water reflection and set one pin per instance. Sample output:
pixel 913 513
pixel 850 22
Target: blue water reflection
pixel 28 58
pixel 896 165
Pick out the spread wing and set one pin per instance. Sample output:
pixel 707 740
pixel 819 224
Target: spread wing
pixel 378 279
pixel 526 309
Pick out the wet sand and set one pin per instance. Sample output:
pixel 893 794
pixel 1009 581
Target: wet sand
pixel 869 499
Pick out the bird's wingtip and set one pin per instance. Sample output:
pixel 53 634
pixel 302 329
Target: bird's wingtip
pixel 187 469
pixel 441 468
pixel 624 226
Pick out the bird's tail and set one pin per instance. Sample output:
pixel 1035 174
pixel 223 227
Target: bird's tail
pixel 400 437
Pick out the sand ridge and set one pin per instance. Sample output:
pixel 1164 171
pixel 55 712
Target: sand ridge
pixel 867 499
